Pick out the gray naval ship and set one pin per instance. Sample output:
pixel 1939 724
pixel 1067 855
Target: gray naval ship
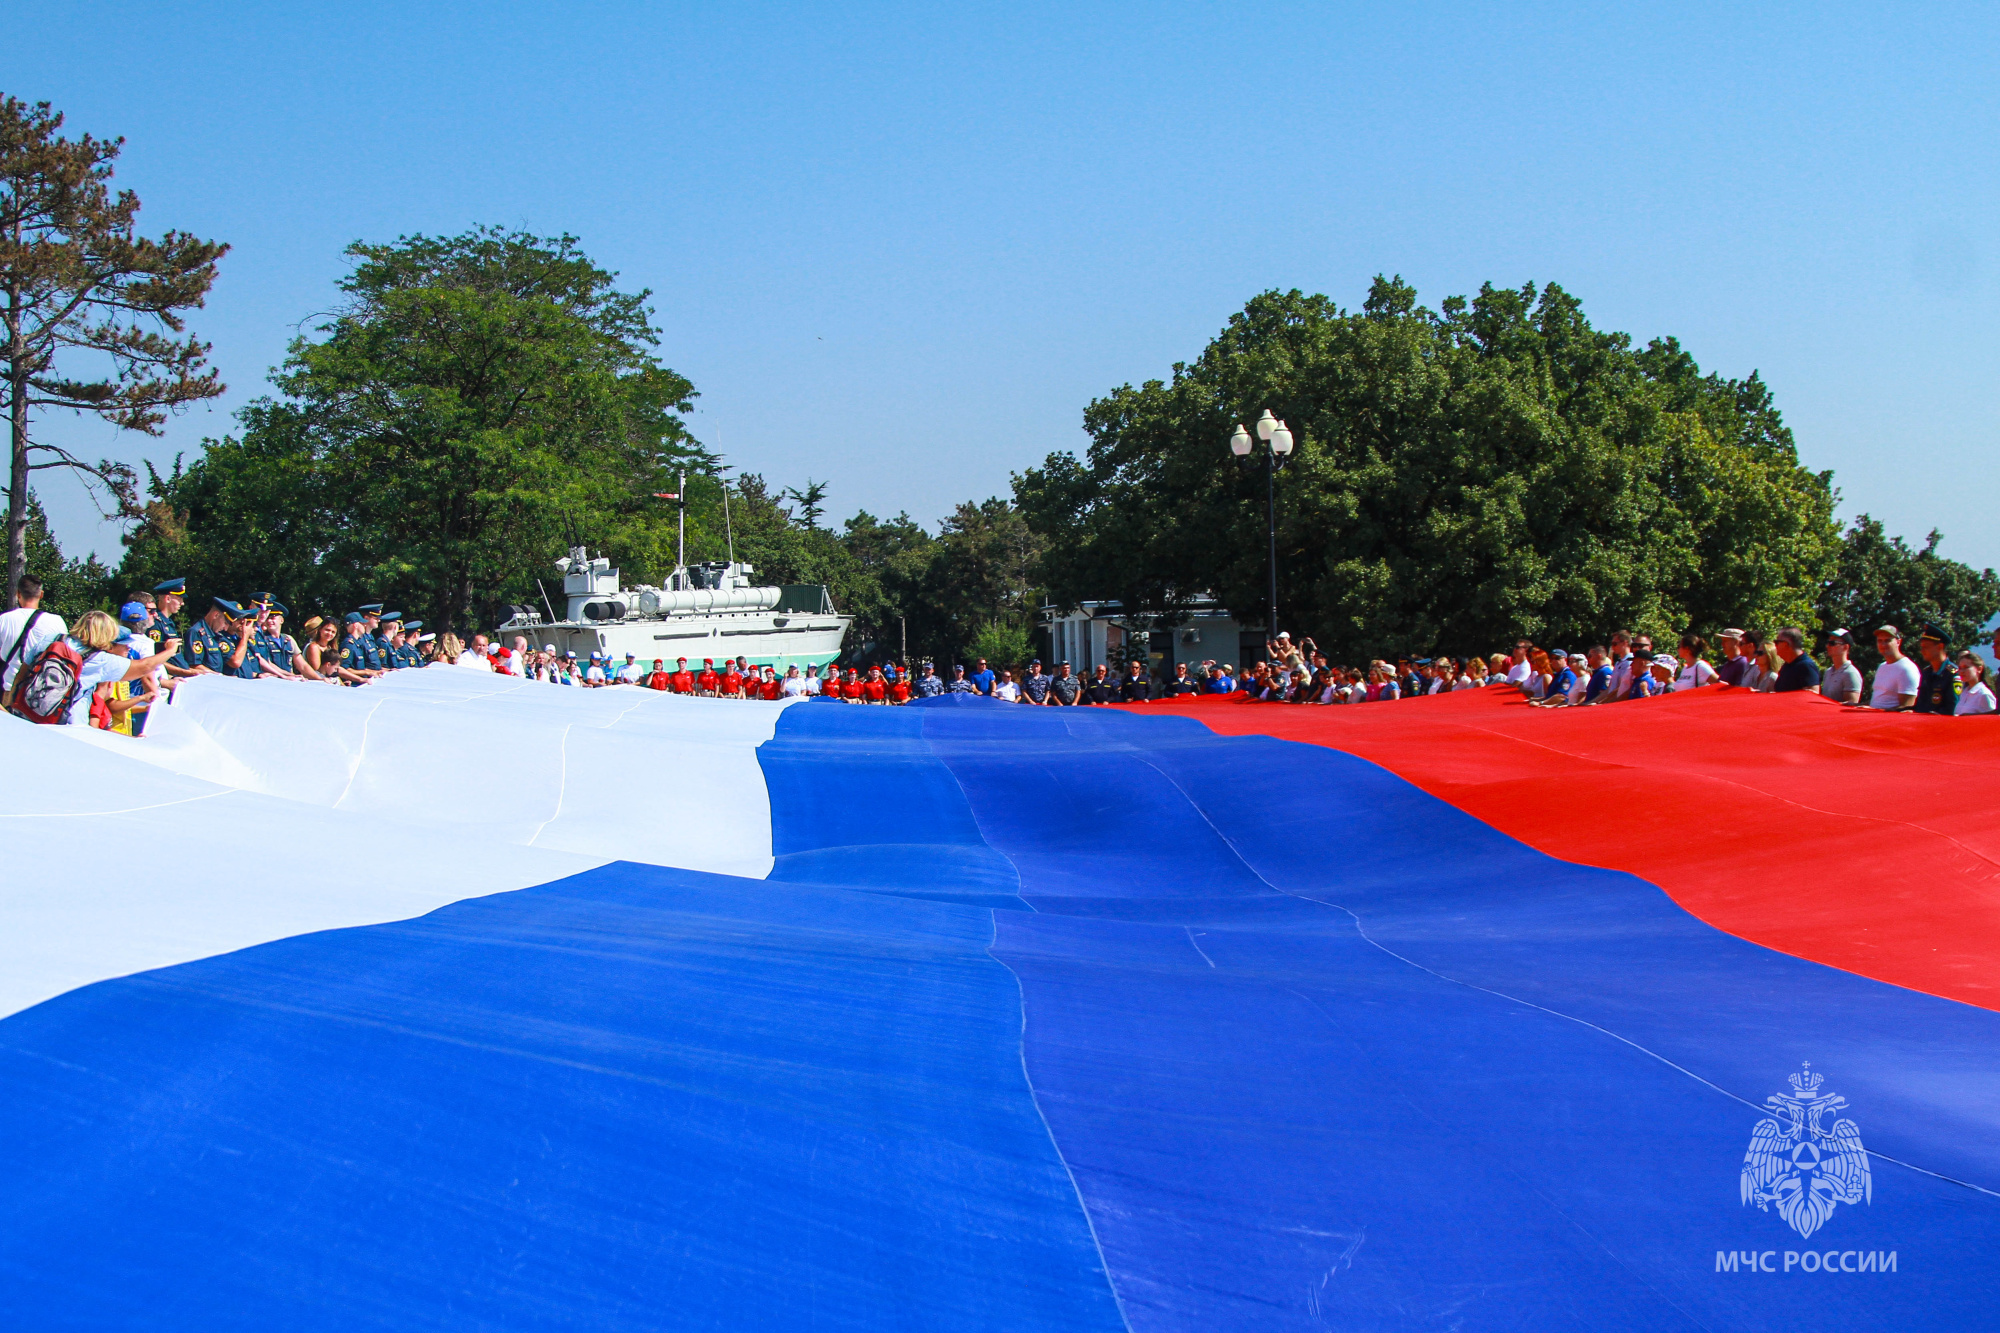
pixel 713 610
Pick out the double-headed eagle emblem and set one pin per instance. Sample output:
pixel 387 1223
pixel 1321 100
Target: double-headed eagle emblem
pixel 1804 1169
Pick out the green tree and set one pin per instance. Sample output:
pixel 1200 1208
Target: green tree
pixel 981 579
pixel 1494 468
pixel 886 587
pixel 78 283
pixel 1879 580
pixel 478 402
pixel 69 586
pixel 811 501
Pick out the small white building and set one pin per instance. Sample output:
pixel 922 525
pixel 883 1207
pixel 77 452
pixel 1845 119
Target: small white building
pixel 1101 632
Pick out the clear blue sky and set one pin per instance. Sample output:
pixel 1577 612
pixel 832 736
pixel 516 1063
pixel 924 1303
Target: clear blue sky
pixel 900 249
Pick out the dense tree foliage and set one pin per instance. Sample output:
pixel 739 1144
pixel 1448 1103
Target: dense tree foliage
pixel 1879 580
pixel 476 399
pixel 1494 468
pixel 947 596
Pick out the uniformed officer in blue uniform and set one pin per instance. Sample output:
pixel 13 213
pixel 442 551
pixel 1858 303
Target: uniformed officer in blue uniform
pixel 273 644
pixel 357 650
pixel 261 643
pixel 413 655
pixel 169 595
pixel 219 642
pixel 385 640
pixel 367 648
pixel 287 647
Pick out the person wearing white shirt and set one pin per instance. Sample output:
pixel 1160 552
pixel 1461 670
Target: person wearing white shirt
pixel 593 675
pixel 1975 696
pixel 46 628
pixel 630 674
pixel 1521 668
pixel 1695 672
pixel 1897 679
pixel 796 684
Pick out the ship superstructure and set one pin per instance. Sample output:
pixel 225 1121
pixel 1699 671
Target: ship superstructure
pixel 714 610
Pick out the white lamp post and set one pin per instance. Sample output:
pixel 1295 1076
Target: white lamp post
pixel 1277 438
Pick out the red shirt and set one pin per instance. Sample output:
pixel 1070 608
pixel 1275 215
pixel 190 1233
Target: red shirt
pixel 682 682
pixel 830 687
pixel 731 682
pixel 659 680
pixel 850 689
pixel 899 692
pixel 774 689
pixel 874 690
pixel 707 679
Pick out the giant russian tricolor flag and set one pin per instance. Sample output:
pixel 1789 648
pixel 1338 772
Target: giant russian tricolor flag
pixel 458 1002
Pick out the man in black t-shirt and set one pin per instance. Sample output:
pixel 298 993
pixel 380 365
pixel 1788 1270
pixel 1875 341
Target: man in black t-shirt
pixel 1799 671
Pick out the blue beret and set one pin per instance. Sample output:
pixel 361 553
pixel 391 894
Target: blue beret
pixel 172 587
pixel 355 617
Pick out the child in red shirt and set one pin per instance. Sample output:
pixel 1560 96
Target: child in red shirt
pixel 850 688
pixel 829 684
pixel 682 681
pixel 773 687
pixel 732 682
pixel 707 680
pixel 899 693
pixel 874 690
pixel 659 680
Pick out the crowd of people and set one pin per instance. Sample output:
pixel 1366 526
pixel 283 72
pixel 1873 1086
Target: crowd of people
pixel 1937 681
pixel 110 671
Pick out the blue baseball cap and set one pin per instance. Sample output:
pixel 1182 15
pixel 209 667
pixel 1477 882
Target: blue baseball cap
pixel 135 611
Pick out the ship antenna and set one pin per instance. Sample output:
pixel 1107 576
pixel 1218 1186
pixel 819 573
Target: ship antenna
pixel 729 530
pixel 681 550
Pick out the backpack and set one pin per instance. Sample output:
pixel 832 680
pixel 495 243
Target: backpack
pixel 44 688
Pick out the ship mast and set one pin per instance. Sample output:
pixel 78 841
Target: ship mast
pixel 681 552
